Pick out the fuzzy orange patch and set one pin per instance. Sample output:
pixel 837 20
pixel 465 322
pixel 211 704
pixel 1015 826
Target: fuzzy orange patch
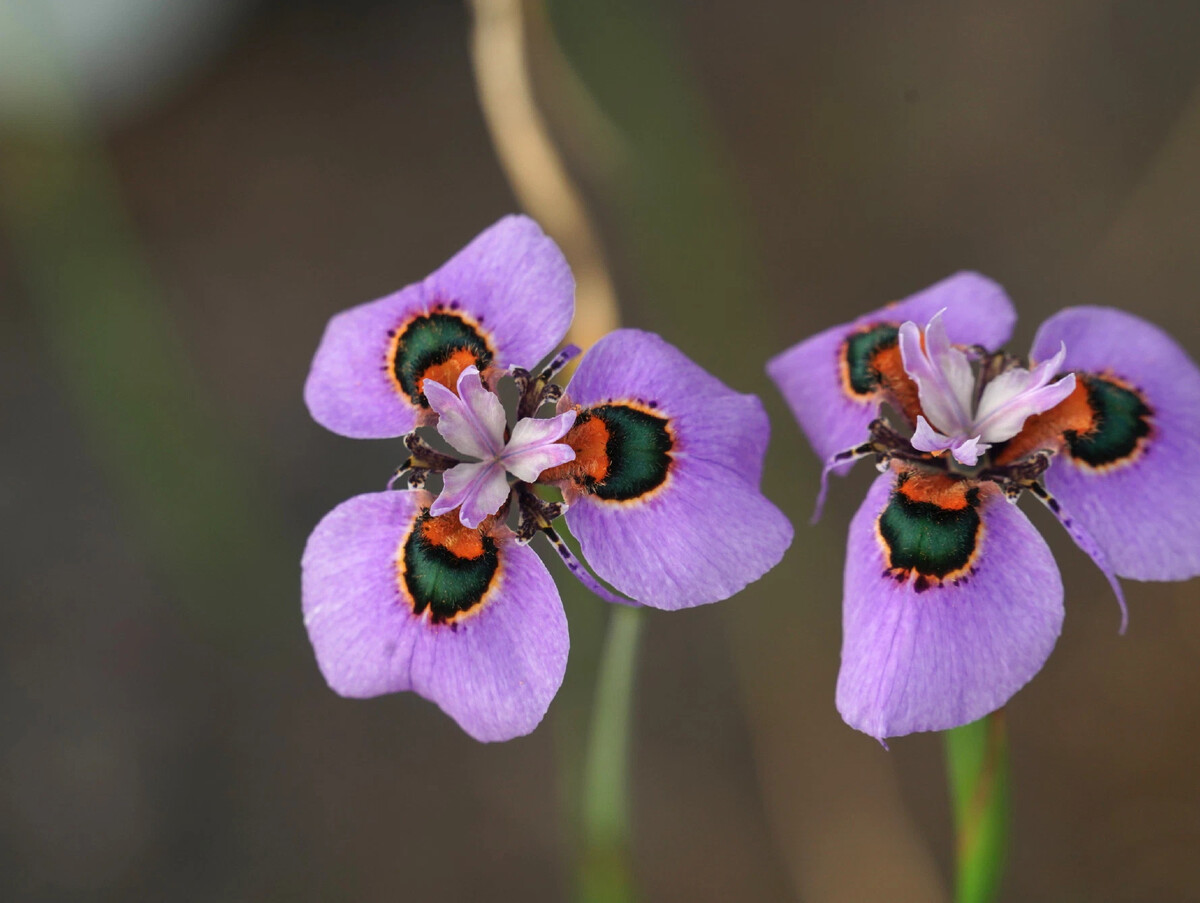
pixel 448 372
pixel 901 388
pixel 938 489
pixel 448 531
pixel 1046 430
pixel 589 438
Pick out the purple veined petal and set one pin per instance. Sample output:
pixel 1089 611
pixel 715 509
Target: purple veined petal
pixel 708 419
pixel 349 389
pixel 1142 507
pixel 472 420
pixel 705 531
pixel 535 446
pixel 700 539
pixel 814 378
pixel 580 572
pixel 476 489
pixel 515 281
pixel 1088 545
pixel 493 668
pixel 951 652
pixel 509 296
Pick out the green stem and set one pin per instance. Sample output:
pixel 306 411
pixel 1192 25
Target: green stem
pixel 605 874
pixel 977 766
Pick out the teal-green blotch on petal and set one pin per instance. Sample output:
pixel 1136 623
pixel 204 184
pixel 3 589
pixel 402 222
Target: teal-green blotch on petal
pixel 1122 421
pixel 430 341
pixel 447 568
pixel 638 449
pixel 928 539
pixel 859 352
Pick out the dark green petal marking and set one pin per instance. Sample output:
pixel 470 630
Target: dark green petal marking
pixel 430 341
pixel 927 539
pixel 1122 421
pixel 447 568
pixel 859 353
pixel 638 450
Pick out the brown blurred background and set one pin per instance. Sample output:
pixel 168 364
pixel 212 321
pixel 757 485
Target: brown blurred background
pixel 190 188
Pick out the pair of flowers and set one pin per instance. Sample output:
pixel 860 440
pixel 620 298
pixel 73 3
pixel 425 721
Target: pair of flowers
pixel 952 599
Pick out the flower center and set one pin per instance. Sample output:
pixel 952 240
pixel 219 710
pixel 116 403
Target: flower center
pixel 963 412
pixel 474 423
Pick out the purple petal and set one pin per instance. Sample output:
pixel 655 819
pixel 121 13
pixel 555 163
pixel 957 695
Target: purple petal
pixel 534 446
pixel 515 281
pixel 472 421
pixel 977 312
pixel 1142 510
pixel 942 657
pixel 709 419
pixel 480 490
pixel 700 539
pixel 494 669
pixel 349 388
pixel 1088 545
pixel 511 284
pixel 705 532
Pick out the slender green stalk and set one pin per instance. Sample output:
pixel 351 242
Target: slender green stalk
pixel 605 874
pixel 977 766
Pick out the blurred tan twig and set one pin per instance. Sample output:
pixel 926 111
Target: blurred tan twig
pixel 531 161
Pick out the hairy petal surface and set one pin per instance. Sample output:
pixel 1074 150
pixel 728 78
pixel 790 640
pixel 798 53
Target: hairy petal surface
pixel 510 289
pixel 1142 509
pixel 706 531
pixel 494 670
pixel 947 654
pixel 812 374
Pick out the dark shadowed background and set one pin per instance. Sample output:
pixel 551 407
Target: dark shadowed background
pixel 190 188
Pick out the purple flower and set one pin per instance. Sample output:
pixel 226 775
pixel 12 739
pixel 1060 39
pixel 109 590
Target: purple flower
pixel 953 601
pixel 659 462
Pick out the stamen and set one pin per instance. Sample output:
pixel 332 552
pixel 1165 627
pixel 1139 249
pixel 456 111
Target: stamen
pixel 885 444
pixel 561 360
pixel 535 392
pixel 536 513
pixel 399 472
pixel 425 456
pixel 848 456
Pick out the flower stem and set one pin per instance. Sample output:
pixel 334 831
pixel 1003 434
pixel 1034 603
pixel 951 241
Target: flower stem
pixel 605 875
pixel 977 766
